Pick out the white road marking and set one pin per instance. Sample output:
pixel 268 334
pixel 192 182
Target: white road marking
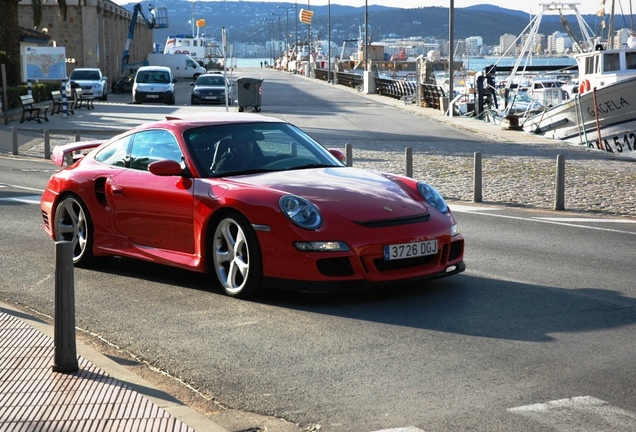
pixel 565 221
pixel 587 220
pixel 31 199
pixel 579 413
pixel 468 209
pixel 403 429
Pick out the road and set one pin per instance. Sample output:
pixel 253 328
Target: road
pixel 536 335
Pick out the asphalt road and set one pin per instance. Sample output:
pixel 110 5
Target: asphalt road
pixel 536 335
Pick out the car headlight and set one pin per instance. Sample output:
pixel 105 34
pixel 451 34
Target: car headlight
pixel 433 197
pixel 300 211
pixel 196 92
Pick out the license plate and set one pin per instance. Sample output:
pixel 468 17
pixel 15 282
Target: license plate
pixel 210 97
pixel 410 250
pixel 152 96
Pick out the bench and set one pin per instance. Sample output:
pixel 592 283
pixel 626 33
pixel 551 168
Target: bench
pixel 82 100
pixel 28 107
pixel 58 103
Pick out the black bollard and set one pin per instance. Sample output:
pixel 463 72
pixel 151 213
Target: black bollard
pixel 65 347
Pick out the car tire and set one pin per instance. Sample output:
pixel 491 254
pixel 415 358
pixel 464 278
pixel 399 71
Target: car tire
pixel 73 223
pixel 236 256
pixel 104 98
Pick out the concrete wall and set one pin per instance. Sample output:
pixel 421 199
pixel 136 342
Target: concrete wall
pixel 94 33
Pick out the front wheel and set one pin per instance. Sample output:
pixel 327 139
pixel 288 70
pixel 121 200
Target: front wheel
pixel 236 256
pixel 73 223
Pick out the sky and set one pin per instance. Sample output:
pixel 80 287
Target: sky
pixel 530 6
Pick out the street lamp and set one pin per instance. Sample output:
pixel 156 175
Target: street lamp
pixel 278 16
pixel 366 37
pixel 286 24
pixel 271 37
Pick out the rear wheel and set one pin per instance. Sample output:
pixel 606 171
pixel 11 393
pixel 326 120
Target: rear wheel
pixel 73 223
pixel 236 256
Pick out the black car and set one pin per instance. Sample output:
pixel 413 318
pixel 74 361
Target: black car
pixel 210 88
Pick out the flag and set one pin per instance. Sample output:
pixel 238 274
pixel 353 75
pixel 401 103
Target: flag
pixel 200 23
pixel 601 9
pixel 306 16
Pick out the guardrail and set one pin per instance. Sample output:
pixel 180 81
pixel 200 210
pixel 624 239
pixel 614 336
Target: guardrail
pixel 350 80
pixel 43 148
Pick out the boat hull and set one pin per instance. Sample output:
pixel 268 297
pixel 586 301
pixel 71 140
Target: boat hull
pixel 602 119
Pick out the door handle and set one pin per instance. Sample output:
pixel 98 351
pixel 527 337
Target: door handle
pixel 117 190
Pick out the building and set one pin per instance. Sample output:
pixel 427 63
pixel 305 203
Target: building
pixel 94 33
pixel 474 45
pixel 507 42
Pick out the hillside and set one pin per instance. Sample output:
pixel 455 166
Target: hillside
pixel 252 22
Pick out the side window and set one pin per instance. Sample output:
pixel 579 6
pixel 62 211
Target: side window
pixel 611 62
pixel 115 153
pixel 630 60
pixel 151 146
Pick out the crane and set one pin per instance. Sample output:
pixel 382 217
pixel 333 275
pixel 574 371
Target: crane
pixel 158 19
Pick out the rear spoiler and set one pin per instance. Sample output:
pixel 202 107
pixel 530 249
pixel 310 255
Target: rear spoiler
pixel 67 152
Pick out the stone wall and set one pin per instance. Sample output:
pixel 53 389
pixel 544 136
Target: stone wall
pixel 94 33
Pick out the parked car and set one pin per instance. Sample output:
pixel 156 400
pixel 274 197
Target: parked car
pixel 154 84
pixel 211 88
pixel 251 199
pixel 124 84
pixel 90 80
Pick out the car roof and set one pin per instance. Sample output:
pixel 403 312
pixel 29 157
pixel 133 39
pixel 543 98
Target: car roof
pixel 197 120
pixel 154 68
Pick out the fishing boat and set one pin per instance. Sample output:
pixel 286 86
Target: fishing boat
pixel 204 50
pixel 600 113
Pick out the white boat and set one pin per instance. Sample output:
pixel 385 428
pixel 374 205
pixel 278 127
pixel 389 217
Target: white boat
pixel 205 51
pixel 601 114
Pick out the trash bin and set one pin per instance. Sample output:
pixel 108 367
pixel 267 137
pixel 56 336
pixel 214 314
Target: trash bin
pixel 249 92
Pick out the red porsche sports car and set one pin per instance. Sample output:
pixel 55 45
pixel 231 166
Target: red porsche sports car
pixel 252 200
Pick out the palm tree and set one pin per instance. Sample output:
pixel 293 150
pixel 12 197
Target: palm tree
pixel 10 34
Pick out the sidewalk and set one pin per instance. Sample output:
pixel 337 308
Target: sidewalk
pixel 34 398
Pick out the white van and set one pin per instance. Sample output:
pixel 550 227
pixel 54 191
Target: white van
pixel 182 65
pixel 153 84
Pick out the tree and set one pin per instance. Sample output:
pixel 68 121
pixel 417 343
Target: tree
pixel 10 33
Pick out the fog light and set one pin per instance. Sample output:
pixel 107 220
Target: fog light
pixel 321 246
pixel 451 269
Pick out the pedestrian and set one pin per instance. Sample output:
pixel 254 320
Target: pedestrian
pixel 261 64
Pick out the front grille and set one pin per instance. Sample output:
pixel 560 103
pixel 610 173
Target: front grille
pixel 456 250
pixel 45 220
pixel 383 265
pixel 335 267
pixel 395 222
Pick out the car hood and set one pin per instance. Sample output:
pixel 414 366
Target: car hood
pixel 351 193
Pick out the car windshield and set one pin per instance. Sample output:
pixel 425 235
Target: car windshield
pixel 234 149
pixel 209 81
pixel 85 75
pixel 153 77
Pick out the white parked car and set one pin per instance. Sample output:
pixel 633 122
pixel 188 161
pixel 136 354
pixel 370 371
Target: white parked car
pixel 90 80
pixel 154 84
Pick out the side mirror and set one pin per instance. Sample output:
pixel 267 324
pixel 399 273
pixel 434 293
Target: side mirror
pixel 338 154
pixel 165 168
